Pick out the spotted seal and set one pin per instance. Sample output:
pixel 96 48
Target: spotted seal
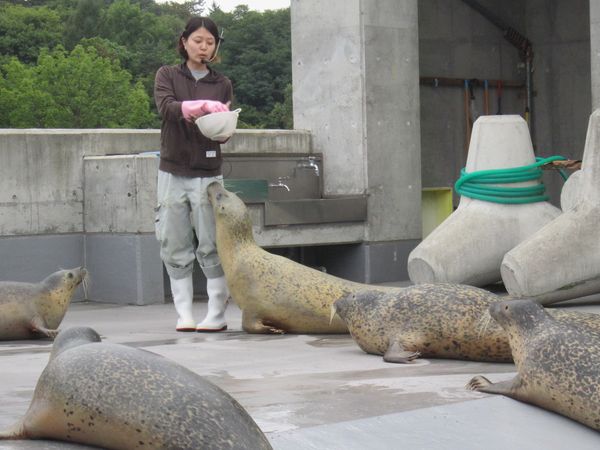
pixel 118 397
pixel 275 294
pixel 440 320
pixel 33 310
pixel 558 363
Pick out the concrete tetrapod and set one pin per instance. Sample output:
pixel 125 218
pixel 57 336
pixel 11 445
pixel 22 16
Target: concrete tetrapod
pixel 562 260
pixel 468 247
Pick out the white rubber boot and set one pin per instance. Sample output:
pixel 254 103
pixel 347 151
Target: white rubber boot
pixel 183 296
pixel 217 303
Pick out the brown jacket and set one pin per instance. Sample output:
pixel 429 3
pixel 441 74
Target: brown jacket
pixel 184 151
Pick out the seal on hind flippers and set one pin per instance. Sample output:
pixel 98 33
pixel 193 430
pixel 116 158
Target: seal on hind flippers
pixel 439 320
pixel 32 310
pixel 117 397
pixel 274 293
pixel 558 364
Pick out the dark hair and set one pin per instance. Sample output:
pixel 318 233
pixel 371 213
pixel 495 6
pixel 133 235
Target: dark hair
pixel 193 24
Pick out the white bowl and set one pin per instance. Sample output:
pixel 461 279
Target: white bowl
pixel 218 126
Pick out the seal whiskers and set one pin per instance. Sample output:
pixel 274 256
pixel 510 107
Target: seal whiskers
pixel 86 285
pixel 483 323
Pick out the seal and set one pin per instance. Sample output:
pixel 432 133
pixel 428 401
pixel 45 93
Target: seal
pixel 439 320
pixel 558 364
pixel 117 397
pixel 275 294
pixel 33 310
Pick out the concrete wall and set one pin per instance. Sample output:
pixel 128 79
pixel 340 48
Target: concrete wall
pixel 43 208
pixel 64 203
pixel 595 52
pixel 456 41
pixel 560 32
pixel 355 79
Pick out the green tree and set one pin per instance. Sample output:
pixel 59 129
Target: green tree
pixel 150 39
pixel 22 103
pixel 256 56
pixel 135 37
pixel 282 114
pixel 25 30
pixel 72 90
pixel 82 22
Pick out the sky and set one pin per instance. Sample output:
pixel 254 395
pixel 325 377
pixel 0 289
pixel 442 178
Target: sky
pixel 255 5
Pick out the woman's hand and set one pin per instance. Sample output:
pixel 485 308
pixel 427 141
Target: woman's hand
pixel 192 109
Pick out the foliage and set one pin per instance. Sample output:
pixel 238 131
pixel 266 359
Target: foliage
pixel 23 31
pixel 256 56
pixel 91 63
pixel 72 90
pixel 281 116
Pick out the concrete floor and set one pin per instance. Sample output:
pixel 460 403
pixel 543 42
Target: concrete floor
pixel 313 392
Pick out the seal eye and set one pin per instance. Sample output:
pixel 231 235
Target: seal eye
pixel 219 196
pixel 70 275
pixel 505 307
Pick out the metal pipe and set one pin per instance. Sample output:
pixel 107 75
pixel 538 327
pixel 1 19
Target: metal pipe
pixel 460 82
pixel 529 101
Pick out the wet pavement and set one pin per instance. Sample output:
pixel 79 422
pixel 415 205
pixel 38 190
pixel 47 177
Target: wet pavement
pixel 312 392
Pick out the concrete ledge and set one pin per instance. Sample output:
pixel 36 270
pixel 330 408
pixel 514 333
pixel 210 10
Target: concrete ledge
pixel 72 197
pixel 268 141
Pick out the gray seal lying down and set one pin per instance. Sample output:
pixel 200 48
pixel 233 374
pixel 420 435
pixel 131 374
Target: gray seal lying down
pixel 118 397
pixel 558 363
pixel 439 320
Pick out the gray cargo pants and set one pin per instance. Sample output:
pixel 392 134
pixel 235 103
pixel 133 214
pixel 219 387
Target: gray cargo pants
pixel 185 225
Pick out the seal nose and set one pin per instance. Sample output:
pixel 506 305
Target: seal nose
pixel 215 191
pixel 214 187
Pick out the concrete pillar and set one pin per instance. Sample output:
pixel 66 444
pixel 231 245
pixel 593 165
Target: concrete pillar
pixel 595 52
pixel 356 89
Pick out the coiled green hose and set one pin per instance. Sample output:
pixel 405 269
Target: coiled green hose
pixel 476 184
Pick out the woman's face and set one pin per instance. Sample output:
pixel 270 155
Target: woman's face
pixel 200 46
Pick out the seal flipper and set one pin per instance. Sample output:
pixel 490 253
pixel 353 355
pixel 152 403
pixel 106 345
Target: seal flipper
pixel 17 431
pixel 253 324
pixel 38 326
pixel 396 354
pixel 509 388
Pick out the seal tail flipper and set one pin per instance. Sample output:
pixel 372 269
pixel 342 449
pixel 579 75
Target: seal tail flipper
pixel 396 354
pixel 17 431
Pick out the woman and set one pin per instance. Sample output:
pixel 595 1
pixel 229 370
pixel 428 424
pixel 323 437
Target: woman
pixel 189 162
